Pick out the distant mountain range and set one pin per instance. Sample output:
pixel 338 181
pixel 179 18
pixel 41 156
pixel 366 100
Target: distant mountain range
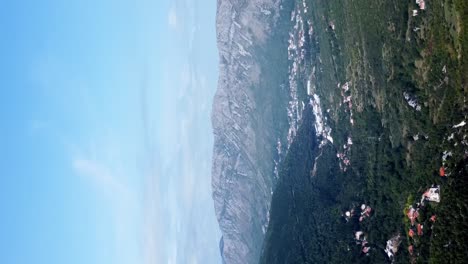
pixel 245 126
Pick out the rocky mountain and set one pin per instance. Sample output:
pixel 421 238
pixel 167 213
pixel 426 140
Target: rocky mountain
pixel 244 141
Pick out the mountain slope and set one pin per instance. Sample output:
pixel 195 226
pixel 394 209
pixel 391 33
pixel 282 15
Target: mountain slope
pixel 244 125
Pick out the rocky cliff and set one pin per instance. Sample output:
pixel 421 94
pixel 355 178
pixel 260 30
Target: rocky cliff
pixel 242 172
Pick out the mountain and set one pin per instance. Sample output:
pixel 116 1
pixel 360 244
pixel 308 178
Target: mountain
pixel 298 184
pixel 245 125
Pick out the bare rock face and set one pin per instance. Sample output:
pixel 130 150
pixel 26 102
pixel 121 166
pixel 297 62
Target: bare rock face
pixel 242 167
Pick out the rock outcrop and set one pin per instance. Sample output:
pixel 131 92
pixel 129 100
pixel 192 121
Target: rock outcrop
pixel 242 172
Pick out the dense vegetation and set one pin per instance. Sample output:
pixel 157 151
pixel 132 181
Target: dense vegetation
pixel 397 152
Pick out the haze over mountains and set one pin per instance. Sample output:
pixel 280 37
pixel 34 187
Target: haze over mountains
pixel 242 118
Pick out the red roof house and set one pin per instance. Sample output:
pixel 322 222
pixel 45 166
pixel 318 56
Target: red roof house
pixel 365 250
pixel 422 5
pixel 433 218
pixel 411 233
pixel 442 171
pixel 420 229
pixel 410 249
pixel 412 215
pixel 368 211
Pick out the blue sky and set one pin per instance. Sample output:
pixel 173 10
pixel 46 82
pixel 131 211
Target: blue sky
pixel 106 136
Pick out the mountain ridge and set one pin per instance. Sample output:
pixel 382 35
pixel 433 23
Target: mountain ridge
pixel 242 169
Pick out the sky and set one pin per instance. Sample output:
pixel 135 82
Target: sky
pixel 106 140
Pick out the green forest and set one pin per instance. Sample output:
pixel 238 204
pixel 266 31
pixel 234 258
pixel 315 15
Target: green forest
pixel 384 53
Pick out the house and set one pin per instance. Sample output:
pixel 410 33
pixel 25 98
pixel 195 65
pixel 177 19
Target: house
pixel 433 218
pixel 345 86
pixel 365 211
pixel 346 161
pixel 442 171
pixel 412 215
pixel 365 250
pixel 415 12
pixel 420 229
pixel 347 216
pixel 411 233
pixel 462 124
pixel 432 194
pixel 368 211
pixel 359 235
pixel 392 246
pixel 421 3
pixel 410 249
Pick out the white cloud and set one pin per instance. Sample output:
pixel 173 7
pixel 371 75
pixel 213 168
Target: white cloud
pixel 185 80
pixel 100 175
pixel 152 233
pixel 122 203
pixel 192 37
pixel 172 18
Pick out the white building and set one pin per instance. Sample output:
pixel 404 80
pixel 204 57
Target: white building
pixel 432 194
